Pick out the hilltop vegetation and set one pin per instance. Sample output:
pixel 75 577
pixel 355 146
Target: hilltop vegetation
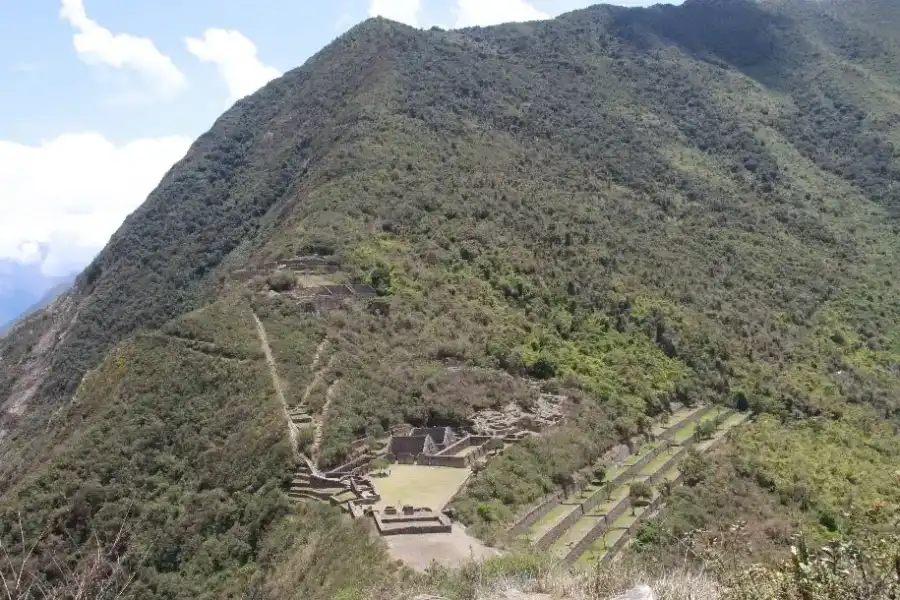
pixel 630 207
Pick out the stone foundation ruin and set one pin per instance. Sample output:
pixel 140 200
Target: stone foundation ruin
pixel 349 486
pixel 513 423
pixel 411 520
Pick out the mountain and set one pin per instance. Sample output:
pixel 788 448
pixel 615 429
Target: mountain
pixel 24 289
pixel 631 208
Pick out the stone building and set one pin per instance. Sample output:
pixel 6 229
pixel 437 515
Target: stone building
pixel 421 440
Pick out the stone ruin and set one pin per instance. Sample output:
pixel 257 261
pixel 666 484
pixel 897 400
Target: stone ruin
pixel 349 486
pixel 345 491
pixel 513 423
pixel 411 520
pixel 310 265
pixel 318 297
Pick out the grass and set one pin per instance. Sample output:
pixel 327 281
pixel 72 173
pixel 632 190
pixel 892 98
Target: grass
pixel 685 433
pixel 556 515
pixel 617 494
pixel 676 419
pixel 597 550
pixel 641 453
pixel 344 497
pixel 657 463
pixel 615 471
pixel 580 529
pixel 420 486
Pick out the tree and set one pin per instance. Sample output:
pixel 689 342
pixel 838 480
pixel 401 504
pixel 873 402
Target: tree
pixel 564 480
pixel 640 493
pixel 693 468
pixel 282 281
pixel 705 430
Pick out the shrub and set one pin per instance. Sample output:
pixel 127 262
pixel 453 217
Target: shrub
pixel 282 281
pixel 640 493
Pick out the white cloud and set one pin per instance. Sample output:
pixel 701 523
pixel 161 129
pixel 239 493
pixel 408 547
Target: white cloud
pixel 236 58
pixel 97 45
pixel 494 12
pixel 69 194
pixel 404 11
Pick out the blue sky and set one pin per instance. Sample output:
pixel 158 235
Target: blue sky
pixel 104 95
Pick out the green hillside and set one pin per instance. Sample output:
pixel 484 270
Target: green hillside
pixel 630 207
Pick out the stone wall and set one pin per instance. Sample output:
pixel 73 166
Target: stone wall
pixel 535 514
pixel 417 523
pixel 597 530
pixel 466 442
pixel 540 510
pixel 634 527
pixel 349 466
pixel 457 462
pixel 550 502
pixel 668 434
pixel 560 528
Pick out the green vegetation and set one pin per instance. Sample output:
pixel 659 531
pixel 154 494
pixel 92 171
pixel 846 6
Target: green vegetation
pixel 630 207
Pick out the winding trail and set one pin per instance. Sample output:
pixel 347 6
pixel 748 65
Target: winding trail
pixel 276 382
pixel 320 423
pixel 318 355
pixel 317 376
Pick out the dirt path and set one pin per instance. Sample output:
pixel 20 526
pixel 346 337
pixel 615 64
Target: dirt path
pixel 276 382
pixel 317 376
pixel 320 423
pixel 318 355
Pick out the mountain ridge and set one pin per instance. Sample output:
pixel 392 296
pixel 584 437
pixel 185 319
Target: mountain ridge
pixel 634 207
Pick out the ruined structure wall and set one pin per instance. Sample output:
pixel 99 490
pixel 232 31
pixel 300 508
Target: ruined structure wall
pixel 457 462
pixel 350 465
pixel 597 530
pixel 560 528
pixel 457 446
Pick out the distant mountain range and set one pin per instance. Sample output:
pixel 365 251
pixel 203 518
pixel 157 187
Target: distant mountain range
pixel 24 288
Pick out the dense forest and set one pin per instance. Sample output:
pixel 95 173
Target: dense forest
pixel 630 207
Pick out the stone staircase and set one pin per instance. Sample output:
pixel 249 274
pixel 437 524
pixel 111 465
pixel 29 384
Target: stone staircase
pixel 300 416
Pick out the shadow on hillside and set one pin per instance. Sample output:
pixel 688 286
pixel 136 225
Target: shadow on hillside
pixel 740 34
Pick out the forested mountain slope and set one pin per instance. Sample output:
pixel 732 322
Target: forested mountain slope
pixel 632 206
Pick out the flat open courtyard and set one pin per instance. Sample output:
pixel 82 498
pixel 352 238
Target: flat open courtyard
pixel 449 549
pixel 422 487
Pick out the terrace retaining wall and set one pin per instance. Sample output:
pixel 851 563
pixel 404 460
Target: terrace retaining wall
pixel 597 530
pixel 556 532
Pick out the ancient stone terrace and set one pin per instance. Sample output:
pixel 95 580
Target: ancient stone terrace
pixel 328 297
pixel 411 520
pixel 344 491
pixel 312 265
pixel 513 423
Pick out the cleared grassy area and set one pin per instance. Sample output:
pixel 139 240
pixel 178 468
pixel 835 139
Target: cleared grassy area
pixel 580 529
pixel 345 497
pixel 677 417
pixel 421 486
pixel 544 524
pixel 641 453
pixel 685 433
pixel 615 471
pixel 735 419
pixel 730 423
pixel 598 549
pixel 584 494
pixel 672 473
pixel 657 463
pixel 616 496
